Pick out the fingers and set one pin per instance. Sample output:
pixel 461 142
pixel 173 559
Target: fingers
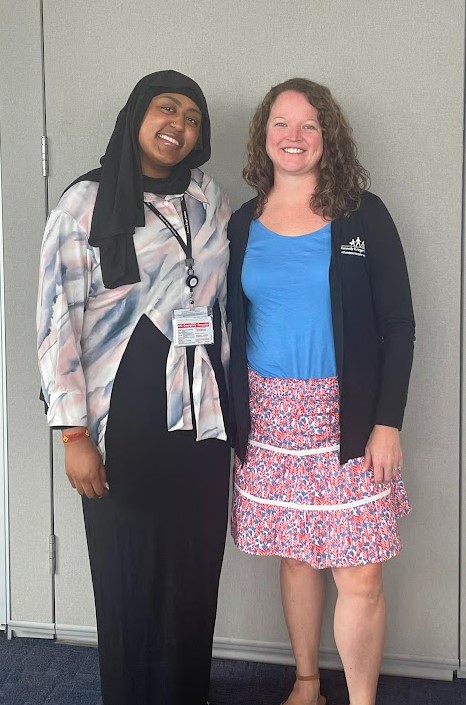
pixel 379 473
pixel 103 477
pixel 86 489
pixel 97 486
pixel 93 487
pixel 384 454
pixel 385 471
pixel 367 460
pixel 92 490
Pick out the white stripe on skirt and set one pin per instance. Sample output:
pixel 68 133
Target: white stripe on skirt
pixel 300 453
pixel 314 507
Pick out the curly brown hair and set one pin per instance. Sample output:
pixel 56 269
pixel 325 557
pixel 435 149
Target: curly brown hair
pixel 342 179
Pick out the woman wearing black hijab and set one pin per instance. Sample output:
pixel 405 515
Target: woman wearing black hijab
pixel 132 351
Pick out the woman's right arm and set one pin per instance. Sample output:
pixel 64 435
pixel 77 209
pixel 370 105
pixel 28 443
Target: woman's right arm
pixel 66 263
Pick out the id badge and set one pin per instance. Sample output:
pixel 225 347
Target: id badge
pixel 193 326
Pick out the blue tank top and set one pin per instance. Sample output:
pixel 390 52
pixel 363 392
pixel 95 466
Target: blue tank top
pixel 289 324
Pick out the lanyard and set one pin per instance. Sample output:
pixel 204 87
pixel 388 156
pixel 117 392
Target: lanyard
pixel 187 247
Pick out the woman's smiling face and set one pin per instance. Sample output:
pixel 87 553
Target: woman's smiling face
pixel 294 141
pixel 168 133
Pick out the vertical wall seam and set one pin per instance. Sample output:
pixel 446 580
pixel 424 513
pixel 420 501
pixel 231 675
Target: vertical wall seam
pixel 44 106
pixel 46 201
pixel 4 419
pixel 462 371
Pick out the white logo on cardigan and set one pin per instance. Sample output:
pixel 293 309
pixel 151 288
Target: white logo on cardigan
pixel 355 246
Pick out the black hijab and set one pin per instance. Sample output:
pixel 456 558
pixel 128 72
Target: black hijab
pixel 119 206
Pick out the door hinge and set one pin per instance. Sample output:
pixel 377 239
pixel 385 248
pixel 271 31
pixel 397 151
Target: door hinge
pixel 45 155
pixel 52 554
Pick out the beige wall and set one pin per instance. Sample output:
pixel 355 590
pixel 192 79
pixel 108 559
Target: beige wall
pixel 398 70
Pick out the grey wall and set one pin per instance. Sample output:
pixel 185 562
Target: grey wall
pixel 398 70
pixel 23 218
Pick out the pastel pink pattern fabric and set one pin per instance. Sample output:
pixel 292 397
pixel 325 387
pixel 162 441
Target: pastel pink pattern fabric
pixel 84 328
pixel 292 503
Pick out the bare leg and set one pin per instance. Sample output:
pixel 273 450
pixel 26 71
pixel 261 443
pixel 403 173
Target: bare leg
pixel 359 627
pixel 303 600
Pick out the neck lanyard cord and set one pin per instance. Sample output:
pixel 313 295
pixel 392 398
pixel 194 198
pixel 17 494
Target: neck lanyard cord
pixel 185 246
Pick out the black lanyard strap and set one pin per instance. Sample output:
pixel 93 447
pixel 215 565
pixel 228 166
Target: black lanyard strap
pixel 185 246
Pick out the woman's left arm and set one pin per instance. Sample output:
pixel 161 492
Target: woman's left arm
pixel 395 320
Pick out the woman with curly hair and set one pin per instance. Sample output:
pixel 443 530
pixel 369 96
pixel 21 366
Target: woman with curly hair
pixel 322 346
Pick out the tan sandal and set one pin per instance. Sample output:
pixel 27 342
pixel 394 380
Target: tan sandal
pixel 321 700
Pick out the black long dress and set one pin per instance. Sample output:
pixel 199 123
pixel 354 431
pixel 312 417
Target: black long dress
pixel 156 541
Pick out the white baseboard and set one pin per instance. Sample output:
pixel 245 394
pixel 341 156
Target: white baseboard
pixel 267 652
pixel 413 667
pixel 31 630
pixel 260 651
pixel 461 673
pixel 71 634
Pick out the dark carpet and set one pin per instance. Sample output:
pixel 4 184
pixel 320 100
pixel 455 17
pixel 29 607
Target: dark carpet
pixel 42 672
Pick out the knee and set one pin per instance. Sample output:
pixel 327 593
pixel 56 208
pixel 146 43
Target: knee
pixel 291 564
pixel 363 582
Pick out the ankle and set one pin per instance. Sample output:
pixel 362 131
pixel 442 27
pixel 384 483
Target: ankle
pixel 307 691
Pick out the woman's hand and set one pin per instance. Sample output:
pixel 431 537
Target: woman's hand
pixel 383 453
pixel 85 470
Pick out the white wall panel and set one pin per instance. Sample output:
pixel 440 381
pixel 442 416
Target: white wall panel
pixel 23 222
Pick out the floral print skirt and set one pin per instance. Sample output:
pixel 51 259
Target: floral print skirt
pixel 292 498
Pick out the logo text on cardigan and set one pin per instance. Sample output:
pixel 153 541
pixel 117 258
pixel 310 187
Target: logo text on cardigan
pixel 355 246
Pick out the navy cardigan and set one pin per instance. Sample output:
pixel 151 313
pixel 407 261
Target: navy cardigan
pixel 373 324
